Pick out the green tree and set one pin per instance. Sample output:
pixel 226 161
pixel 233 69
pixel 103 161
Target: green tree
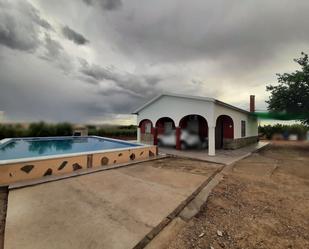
pixel 41 129
pixel 63 129
pixel 291 95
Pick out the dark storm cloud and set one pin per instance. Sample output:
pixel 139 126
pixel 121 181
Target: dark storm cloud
pixel 112 104
pixel 20 25
pixel 135 85
pixel 235 34
pixel 54 53
pixel 200 47
pixel 72 35
pixel 105 4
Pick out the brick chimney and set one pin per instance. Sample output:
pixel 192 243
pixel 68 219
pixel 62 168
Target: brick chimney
pixel 252 103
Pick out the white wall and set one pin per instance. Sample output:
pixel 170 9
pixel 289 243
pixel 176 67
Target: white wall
pixel 176 108
pixel 237 116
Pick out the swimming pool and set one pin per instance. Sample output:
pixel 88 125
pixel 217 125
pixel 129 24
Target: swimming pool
pixel 37 147
pixel 29 158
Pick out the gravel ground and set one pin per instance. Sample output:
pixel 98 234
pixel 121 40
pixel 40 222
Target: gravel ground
pixel 263 203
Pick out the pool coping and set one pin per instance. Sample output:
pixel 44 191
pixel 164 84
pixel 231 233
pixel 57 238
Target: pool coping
pixel 39 158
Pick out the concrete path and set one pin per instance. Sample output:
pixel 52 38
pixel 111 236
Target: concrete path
pixel 222 156
pixel 108 209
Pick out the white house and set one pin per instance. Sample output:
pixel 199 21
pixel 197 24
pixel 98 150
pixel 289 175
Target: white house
pixel 225 126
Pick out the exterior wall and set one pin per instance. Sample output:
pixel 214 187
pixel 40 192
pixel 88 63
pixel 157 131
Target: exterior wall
pixel 253 126
pixel 176 108
pixel 251 122
pixel 10 173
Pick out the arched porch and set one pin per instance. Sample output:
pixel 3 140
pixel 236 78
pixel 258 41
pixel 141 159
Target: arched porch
pixel 224 130
pixel 144 131
pixel 165 125
pixel 196 128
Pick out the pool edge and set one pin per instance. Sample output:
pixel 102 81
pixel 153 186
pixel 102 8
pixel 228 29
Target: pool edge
pixel 42 167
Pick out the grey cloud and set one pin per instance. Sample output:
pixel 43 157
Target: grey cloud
pixel 43 23
pixel 136 85
pixel 233 34
pixel 53 48
pixel 113 102
pixel 105 4
pixel 20 25
pixel 22 28
pixel 56 55
pixel 72 35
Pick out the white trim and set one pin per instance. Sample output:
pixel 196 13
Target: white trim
pixel 39 158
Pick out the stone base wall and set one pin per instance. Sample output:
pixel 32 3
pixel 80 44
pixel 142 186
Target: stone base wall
pixel 232 144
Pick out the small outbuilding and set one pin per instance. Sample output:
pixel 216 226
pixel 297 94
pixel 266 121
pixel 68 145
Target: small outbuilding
pixel 222 125
pixel 80 130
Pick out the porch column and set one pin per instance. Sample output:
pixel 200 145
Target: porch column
pixel 155 135
pixel 211 141
pixel 138 134
pixel 178 142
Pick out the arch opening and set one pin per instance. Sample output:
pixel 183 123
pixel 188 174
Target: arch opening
pixel 194 131
pixel 146 126
pixel 224 130
pixel 166 132
pixel 165 125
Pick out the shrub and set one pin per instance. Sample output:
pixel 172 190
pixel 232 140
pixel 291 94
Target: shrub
pixel 63 129
pixel 41 129
pixel 269 130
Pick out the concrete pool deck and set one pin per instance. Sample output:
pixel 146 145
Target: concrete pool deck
pixel 226 157
pixel 108 209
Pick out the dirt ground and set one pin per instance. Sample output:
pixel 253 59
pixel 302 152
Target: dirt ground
pixel 185 165
pixel 3 205
pixel 262 203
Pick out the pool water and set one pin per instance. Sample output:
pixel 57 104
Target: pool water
pixel 37 147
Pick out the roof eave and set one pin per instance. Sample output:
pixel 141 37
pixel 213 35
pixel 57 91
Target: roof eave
pixel 231 107
pixel 136 112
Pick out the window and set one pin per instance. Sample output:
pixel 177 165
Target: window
pixel 243 128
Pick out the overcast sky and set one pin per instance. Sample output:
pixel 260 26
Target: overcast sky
pixel 97 60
